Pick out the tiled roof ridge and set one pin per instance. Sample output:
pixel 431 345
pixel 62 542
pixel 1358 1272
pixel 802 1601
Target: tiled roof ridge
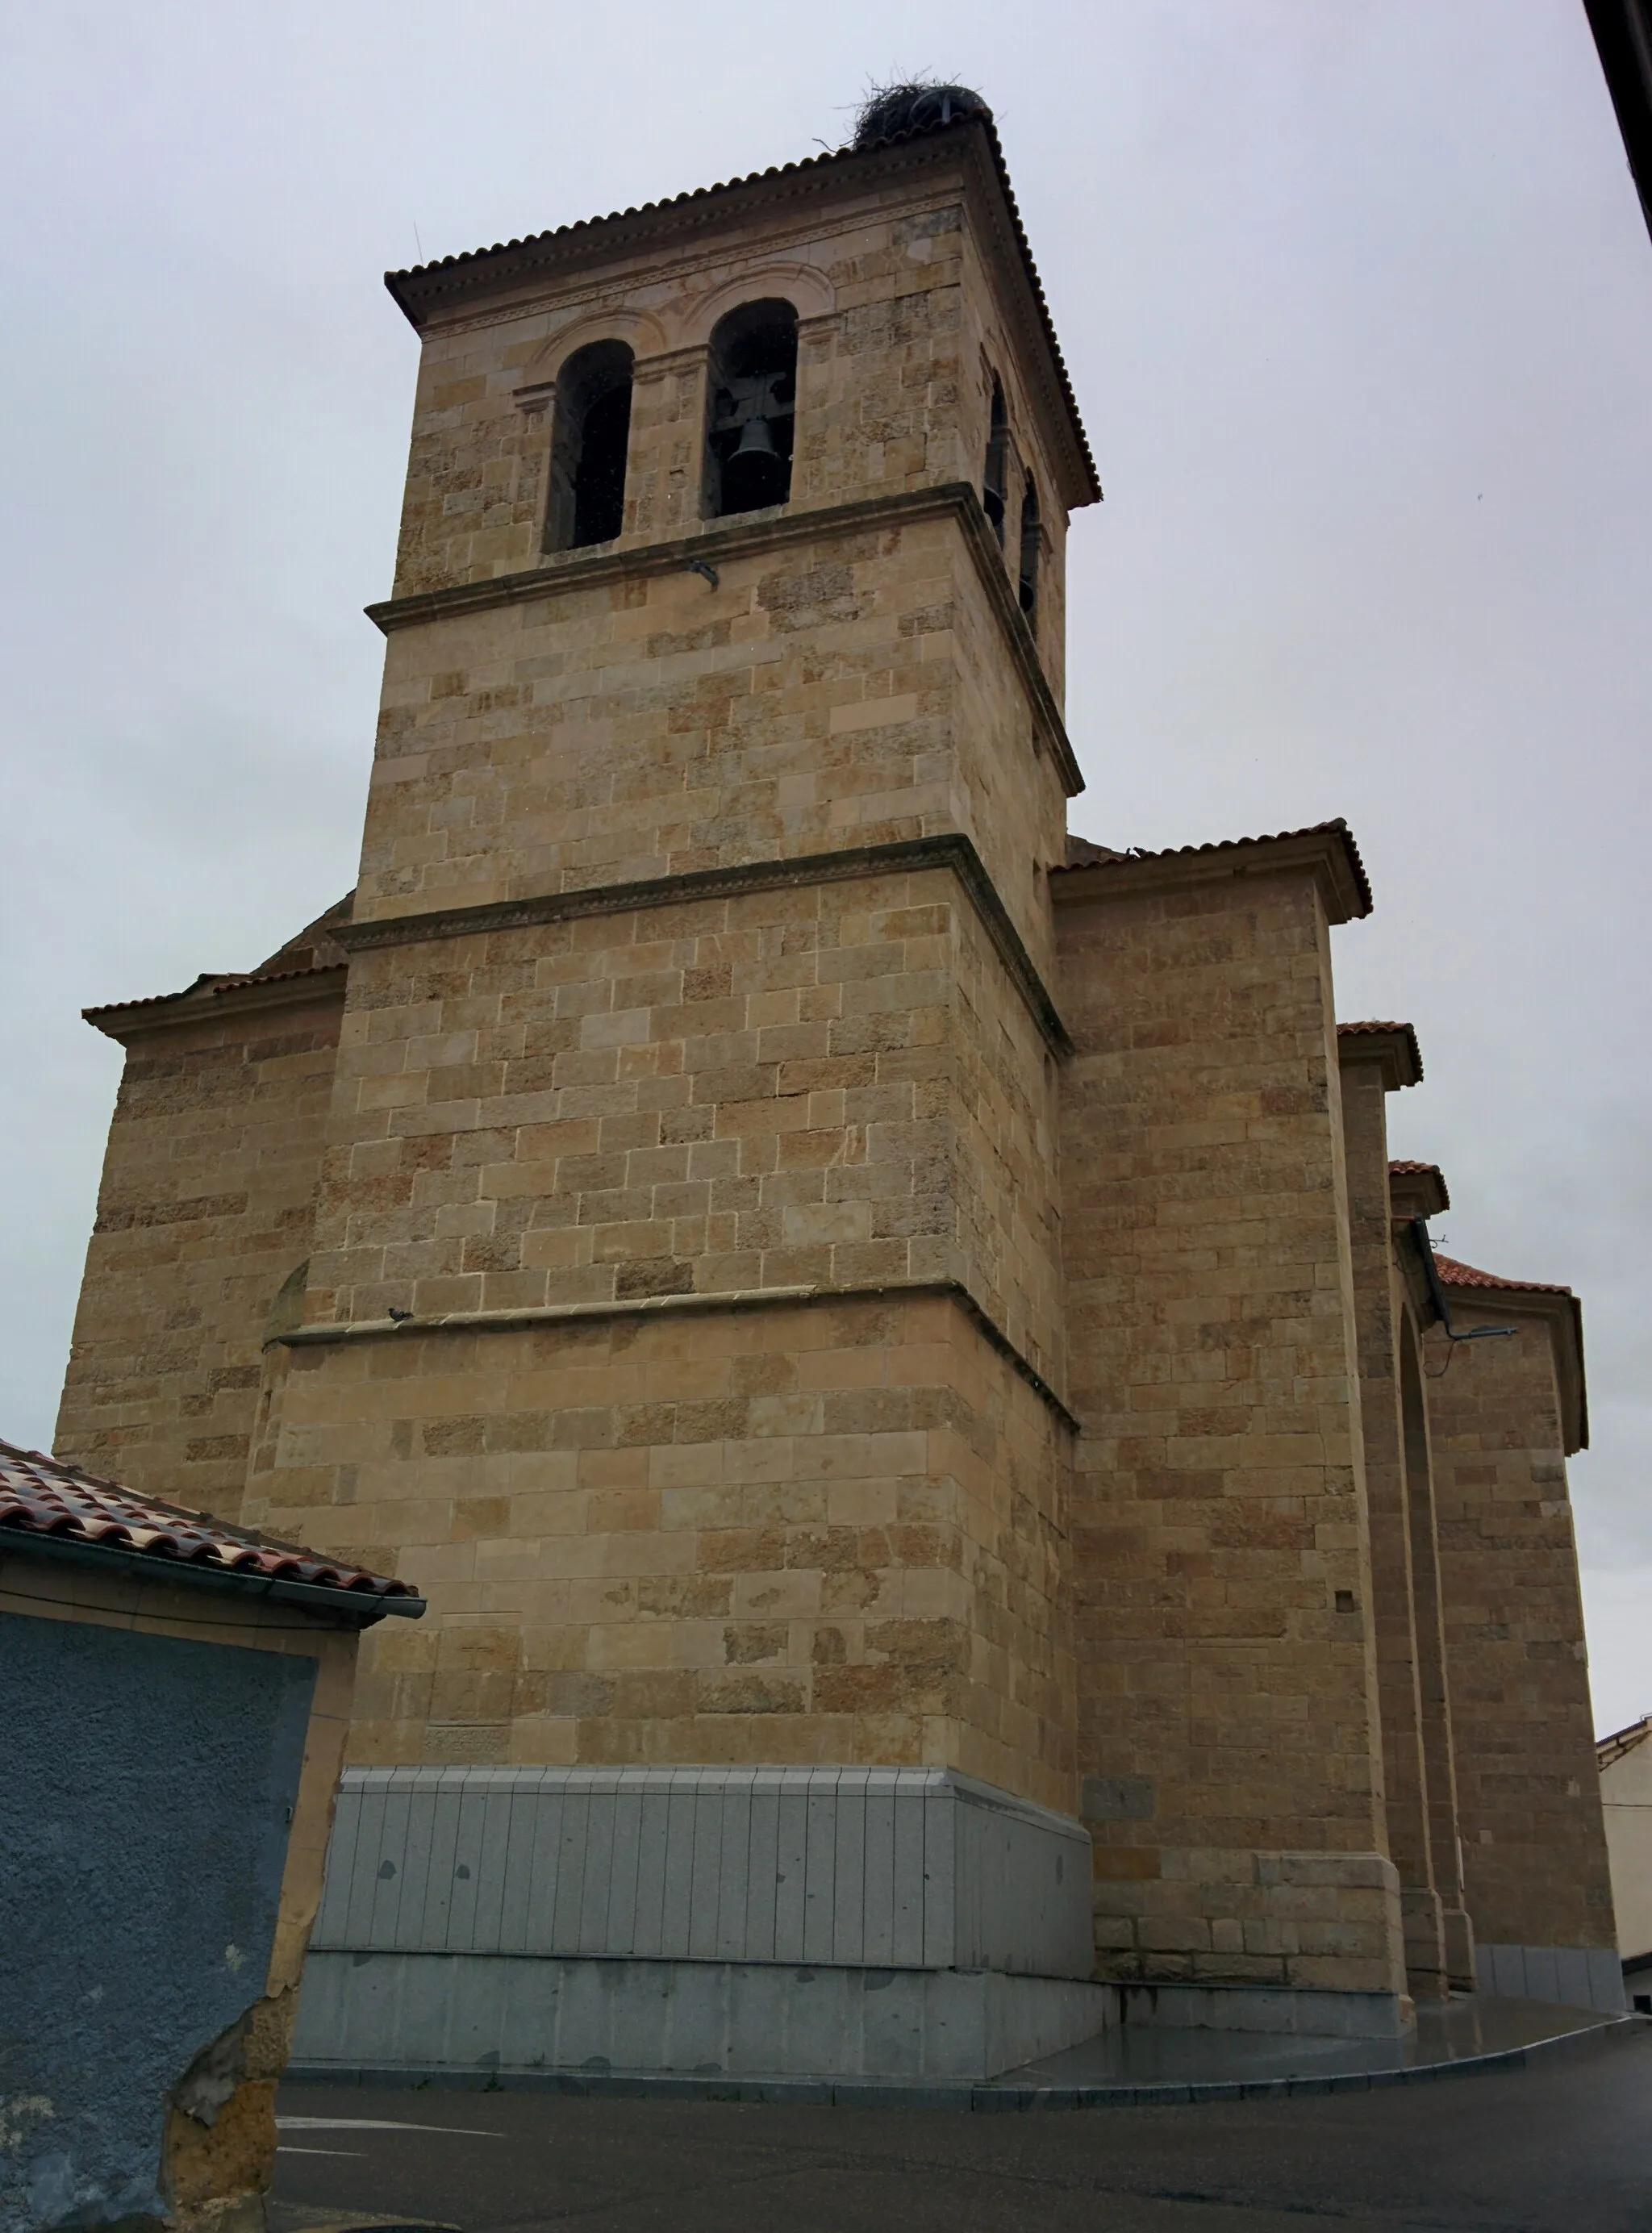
pixel 1455 1274
pixel 1337 827
pixel 1354 1030
pixel 804 163
pixel 1400 1167
pixel 41 1496
pixel 791 170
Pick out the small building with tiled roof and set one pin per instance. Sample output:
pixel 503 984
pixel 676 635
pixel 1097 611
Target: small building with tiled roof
pixel 174 1699
pixel 1625 1759
pixel 850 1294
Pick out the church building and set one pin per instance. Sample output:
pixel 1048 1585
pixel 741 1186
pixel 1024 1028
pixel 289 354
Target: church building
pixel 958 1503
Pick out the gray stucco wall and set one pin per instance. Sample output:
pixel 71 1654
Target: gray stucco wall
pixel 146 1786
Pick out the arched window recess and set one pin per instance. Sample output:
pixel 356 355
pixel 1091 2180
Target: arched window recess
pixel 753 403
pixel 995 473
pixel 591 431
pixel 1030 548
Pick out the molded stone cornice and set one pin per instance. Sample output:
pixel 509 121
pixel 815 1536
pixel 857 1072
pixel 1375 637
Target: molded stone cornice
pixel 645 1306
pixel 906 856
pixel 751 534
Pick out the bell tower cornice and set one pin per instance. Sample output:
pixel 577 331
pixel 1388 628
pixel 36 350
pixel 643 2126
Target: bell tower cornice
pixel 711 541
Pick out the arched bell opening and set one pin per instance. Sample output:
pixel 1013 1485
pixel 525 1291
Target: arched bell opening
pixel 996 472
pixel 592 432
pixel 1030 548
pixel 753 389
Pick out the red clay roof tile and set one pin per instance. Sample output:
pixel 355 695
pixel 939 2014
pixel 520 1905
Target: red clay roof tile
pixel 1405 1032
pixel 1453 1274
pixel 1407 1170
pixel 40 1496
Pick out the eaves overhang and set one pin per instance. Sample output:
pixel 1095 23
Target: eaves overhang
pixel 217 999
pixel 353 1606
pixel 1327 851
pixel 1393 1045
pixel 1418 1190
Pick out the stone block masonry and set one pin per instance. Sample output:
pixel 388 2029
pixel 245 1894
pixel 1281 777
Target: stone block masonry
pixel 824 1081
pixel 699 958
pixel 1221 1551
pixel 1420 1783
pixel 206 1204
pixel 806 1531
pixel 1534 1851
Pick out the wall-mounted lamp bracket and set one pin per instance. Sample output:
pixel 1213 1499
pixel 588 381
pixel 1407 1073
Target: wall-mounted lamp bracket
pixel 1437 1293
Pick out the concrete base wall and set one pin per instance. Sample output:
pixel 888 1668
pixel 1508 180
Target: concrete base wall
pixel 1576 1976
pixel 503 2012
pixel 875 1922
pixel 895 1868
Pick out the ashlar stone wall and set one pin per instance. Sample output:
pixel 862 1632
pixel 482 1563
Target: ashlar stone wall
pixel 1534 1852
pixel 799 1533
pixel 907 294
pixel 820 1084
pixel 698 1040
pixel 1399 1504
pixel 1229 1734
pixel 205 1207
pixel 853 689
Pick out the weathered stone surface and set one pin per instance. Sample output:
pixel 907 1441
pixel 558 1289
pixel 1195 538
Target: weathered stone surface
pixel 1221 1551
pixel 1534 1847
pixel 206 1204
pixel 804 1533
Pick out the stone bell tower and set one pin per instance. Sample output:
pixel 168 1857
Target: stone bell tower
pixel 683 1296
pixel 888 1336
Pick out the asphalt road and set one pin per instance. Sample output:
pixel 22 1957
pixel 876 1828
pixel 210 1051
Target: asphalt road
pixel 1559 2148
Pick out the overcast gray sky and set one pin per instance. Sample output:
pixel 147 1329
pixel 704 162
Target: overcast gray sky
pixel 1358 304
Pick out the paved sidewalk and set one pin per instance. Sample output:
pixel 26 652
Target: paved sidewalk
pixel 1558 2147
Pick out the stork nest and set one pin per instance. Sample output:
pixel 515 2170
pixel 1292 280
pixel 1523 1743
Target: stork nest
pixel 890 110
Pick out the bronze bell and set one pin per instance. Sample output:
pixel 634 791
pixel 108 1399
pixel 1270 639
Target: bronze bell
pixel 756 440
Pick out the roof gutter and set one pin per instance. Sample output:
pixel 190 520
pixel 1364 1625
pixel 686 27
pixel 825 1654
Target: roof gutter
pixel 352 1605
